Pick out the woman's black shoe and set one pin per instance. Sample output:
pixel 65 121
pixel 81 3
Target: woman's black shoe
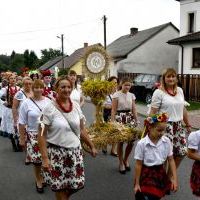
pixel 128 168
pixel 104 151
pixel 44 184
pixel 113 154
pixel 38 189
pixel 122 170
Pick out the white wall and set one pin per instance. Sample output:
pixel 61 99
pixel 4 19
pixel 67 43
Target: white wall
pixel 153 56
pixel 187 59
pixel 186 7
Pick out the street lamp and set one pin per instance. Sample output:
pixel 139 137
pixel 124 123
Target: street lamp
pixel 62 47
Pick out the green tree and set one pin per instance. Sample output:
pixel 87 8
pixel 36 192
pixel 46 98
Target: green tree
pixel 63 72
pixel 17 63
pixel 30 59
pixel 12 55
pixel 33 60
pixel 4 62
pixel 48 54
pixel 26 58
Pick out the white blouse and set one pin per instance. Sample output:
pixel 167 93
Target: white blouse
pixel 63 132
pixel 29 113
pixel 153 154
pixel 125 100
pixel 76 94
pixel 108 101
pixel 194 140
pixel 173 105
pixel 20 96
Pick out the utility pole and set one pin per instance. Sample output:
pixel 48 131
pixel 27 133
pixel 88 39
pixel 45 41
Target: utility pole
pixel 62 48
pixel 104 25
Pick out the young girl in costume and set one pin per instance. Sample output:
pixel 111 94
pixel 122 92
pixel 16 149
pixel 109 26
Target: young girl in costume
pixel 194 154
pixel 151 180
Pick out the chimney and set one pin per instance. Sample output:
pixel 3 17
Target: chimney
pixel 85 44
pixel 133 31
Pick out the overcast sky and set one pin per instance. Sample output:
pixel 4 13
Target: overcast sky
pixel 34 24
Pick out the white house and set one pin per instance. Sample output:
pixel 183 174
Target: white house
pixel 189 40
pixel 144 51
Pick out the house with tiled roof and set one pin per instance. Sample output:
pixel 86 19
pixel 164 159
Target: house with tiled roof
pixel 189 39
pixel 52 63
pixel 144 51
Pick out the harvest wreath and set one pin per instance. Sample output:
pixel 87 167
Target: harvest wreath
pixel 102 133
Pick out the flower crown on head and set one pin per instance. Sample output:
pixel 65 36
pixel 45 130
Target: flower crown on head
pixel 163 117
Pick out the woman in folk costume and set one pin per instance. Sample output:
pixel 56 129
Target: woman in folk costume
pixel 169 98
pixel 7 124
pixel 124 111
pixel 151 152
pixel 20 96
pixel 29 117
pixel 62 127
pixel 46 77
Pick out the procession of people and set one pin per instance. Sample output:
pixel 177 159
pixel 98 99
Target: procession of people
pixel 45 120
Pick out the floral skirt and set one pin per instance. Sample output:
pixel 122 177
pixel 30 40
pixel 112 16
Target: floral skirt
pixel 195 178
pixel 125 117
pixel 67 169
pixel 32 149
pixel 177 135
pixel 154 181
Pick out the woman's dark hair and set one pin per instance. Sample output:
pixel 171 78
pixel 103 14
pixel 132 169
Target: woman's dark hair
pixel 113 78
pixel 32 75
pixel 124 80
pixel 72 72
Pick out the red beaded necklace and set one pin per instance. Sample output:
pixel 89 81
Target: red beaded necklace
pixel 62 107
pixel 170 93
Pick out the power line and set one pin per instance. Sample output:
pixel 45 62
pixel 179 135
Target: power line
pixel 48 29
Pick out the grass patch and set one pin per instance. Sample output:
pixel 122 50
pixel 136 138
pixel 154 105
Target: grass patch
pixel 140 102
pixel 193 106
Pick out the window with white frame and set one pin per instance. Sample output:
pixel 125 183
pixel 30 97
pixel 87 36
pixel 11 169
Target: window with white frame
pixel 196 58
pixel 191 20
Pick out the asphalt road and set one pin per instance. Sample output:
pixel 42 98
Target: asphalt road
pixel 103 181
